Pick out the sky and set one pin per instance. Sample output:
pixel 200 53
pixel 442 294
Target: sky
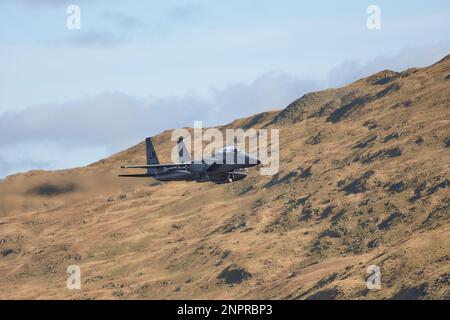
pixel 69 97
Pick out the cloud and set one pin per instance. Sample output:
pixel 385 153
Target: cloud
pixel 273 90
pixel 408 57
pixel 185 12
pixel 81 131
pixel 114 118
pixel 52 3
pixel 33 155
pixel 120 27
pixel 111 121
pixel 91 39
pixel 15 162
pixel 123 21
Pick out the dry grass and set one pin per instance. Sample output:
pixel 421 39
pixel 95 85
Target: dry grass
pixel 135 239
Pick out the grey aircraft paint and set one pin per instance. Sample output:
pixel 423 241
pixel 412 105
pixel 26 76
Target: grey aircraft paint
pixel 227 165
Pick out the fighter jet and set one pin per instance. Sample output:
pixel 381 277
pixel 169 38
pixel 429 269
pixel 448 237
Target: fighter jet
pixel 227 165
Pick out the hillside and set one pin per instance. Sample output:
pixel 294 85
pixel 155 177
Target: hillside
pixel 364 180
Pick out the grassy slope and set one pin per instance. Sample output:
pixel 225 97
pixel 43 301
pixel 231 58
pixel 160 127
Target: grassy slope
pixel 364 177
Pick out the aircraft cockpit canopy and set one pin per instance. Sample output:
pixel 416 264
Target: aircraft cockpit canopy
pixel 228 149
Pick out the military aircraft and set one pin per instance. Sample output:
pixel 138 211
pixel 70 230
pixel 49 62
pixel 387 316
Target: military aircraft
pixel 227 165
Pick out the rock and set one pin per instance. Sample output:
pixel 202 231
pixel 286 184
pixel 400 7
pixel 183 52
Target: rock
pixel 328 294
pixel 6 252
pixel 306 214
pixel 301 200
pixel 287 177
pixel 397 187
pixel 407 103
pixel 326 212
pixel 316 139
pixel 418 192
pixel 235 224
pixel 370 125
pixel 365 142
pixel 330 233
pixel 382 77
pixel 347 109
pixel 391 136
pixel 225 254
pixel 444 184
pixel 234 274
pixel 305 173
pixel 338 216
pixel 372 244
pixel 394 152
pixel 386 223
pixel 358 185
pixel 411 293
pixel 391 153
pixel 388 90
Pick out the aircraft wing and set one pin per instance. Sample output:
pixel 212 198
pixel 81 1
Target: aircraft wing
pixel 142 175
pixel 156 166
pixel 151 166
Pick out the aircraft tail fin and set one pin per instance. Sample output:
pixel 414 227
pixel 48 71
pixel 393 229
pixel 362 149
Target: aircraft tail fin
pixel 152 158
pixel 183 152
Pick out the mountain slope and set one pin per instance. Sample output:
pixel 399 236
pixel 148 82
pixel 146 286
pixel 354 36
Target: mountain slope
pixel 364 180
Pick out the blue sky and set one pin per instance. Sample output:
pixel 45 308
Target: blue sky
pixel 199 60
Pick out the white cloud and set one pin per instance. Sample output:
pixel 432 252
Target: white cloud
pixel 408 57
pixel 110 121
pixel 50 3
pixel 185 12
pixel 80 131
